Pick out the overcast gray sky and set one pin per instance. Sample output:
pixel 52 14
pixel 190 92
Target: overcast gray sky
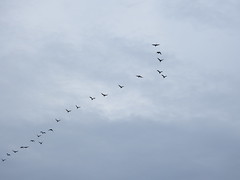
pixel 54 54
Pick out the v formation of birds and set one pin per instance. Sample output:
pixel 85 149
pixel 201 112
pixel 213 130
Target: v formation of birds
pixel 42 133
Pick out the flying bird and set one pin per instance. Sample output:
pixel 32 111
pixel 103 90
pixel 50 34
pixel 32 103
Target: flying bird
pixel 50 130
pixel 32 140
pixel 104 95
pixel 4 160
pixel 164 76
pixel 38 135
pixel 155 44
pixel 120 86
pixel 159 71
pixel 139 76
pixel 68 111
pixel 15 151
pixel 40 142
pixel 24 147
pixel 8 154
pixel 43 132
pixel 92 98
pixel 160 60
pixel 57 120
pixel 159 52
pixel 77 106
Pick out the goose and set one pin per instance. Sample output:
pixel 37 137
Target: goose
pixel 159 71
pixel 164 76
pixel 139 76
pixel 104 95
pixel 120 86
pixel 92 98
pixel 159 52
pixel 77 106
pixel 50 130
pixel 57 120
pixel 8 154
pixel 160 60
pixel 15 151
pixel 155 44
pixel 68 111
pixel 40 142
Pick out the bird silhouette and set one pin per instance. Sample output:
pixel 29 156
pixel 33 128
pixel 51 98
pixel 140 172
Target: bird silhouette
pixel 4 160
pixel 50 130
pixel 164 76
pixel 43 132
pixel 155 44
pixel 159 52
pixel 38 135
pixel 68 111
pixel 8 154
pixel 104 95
pixel 15 151
pixel 160 60
pixel 139 76
pixel 159 71
pixel 24 147
pixel 58 120
pixel 120 86
pixel 77 106
pixel 32 140
pixel 92 98
pixel 40 142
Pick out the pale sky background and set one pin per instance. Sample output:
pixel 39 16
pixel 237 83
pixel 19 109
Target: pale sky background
pixel 54 54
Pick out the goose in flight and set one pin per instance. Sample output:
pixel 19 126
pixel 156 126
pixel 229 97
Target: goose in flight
pixel 104 95
pixel 92 98
pixel 155 44
pixel 43 132
pixel 164 76
pixel 50 130
pixel 24 147
pixel 57 120
pixel 120 86
pixel 38 135
pixel 159 71
pixel 15 151
pixel 68 111
pixel 159 52
pixel 160 60
pixel 77 106
pixel 4 160
pixel 32 140
pixel 139 76
pixel 40 142
pixel 8 154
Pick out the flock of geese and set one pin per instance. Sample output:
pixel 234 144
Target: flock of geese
pixel 41 133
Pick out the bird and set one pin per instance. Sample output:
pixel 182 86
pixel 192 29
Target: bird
pixel 40 142
pixel 104 95
pixel 92 98
pixel 159 71
pixel 32 140
pixel 8 154
pixel 160 60
pixel 120 86
pixel 159 52
pixel 164 76
pixel 15 151
pixel 50 130
pixel 139 76
pixel 38 135
pixel 57 120
pixel 43 132
pixel 77 106
pixel 24 147
pixel 4 160
pixel 68 111
pixel 155 44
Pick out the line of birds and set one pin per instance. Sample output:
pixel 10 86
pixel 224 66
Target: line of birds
pixel 78 107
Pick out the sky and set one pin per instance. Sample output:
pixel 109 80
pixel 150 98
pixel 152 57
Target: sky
pixel 54 54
